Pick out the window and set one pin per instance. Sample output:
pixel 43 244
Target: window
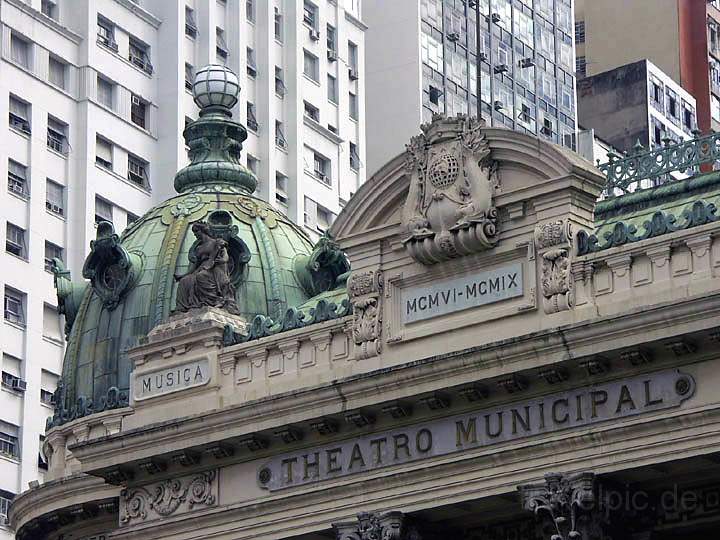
pixel 57 135
pixel 280 140
pixel 17 178
pixel 19 116
pixel 189 76
pixel 324 218
pixel 251 65
pixel 434 95
pixel 580 32
pixel 131 218
pixel 321 168
pixel 332 89
pixel 252 122
pixel 106 34
pixel 673 107
pixel 221 49
pixel 56 72
pixel 5 500
pixel 547 127
pixel 580 66
pixel 139 55
pixel 14 306
pixel 42 458
pixel 52 252
pixel 105 92
pixel 278 25
pixel 253 163
pixel 354 157
pixel 104 153
pixel 103 210
pixel 688 117
pixel 250 10
pixel 138 171
pixel 280 89
pixel 331 38
pixel 281 185
pixel 353 105
pixel 310 213
pixel 190 24
pixel 54 197
pixel 8 440
pixel 49 9
pixel 138 110
pixel 15 241
pixel 352 61
pixel 19 51
pixel 311 66
pixel 311 111
pixel 310 14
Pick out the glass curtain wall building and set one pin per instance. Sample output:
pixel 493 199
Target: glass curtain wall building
pixel 526 61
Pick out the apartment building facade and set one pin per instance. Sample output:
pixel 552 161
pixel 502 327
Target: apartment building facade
pixel 421 58
pixel 636 103
pixel 679 36
pixel 94 96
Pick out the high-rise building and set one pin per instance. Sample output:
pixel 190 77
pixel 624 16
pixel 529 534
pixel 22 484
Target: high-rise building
pixel 421 60
pixel 636 103
pixel 679 36
pixel 94 96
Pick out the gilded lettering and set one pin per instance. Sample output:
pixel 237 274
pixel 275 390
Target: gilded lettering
pixel 523 421
pixel 555 417
pixel 465 434
pixel 597 397
pixel 625 398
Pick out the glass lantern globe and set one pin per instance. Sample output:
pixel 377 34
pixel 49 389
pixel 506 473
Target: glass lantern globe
pixel 215 85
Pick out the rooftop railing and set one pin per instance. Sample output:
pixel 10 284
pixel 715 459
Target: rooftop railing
pixel 643 169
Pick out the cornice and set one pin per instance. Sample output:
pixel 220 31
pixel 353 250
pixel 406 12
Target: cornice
pixel 423 375
pixel 46 21
pixel 355 21
pixel 145 15
pixel 318 128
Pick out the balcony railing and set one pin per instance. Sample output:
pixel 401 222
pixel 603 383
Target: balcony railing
pixel 643 169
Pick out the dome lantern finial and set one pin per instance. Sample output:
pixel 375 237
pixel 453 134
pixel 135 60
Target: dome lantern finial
pixel 215 139
pixel 215 89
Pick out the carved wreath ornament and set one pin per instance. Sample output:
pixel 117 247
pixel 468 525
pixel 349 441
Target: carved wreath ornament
pixel 449 211
pixel 165 498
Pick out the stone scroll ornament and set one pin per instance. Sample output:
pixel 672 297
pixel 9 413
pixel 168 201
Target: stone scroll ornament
pixel 377 526
pixel 552 241
pixel 209 280
pixel 449 210
pixel 565 504
pixel 365 291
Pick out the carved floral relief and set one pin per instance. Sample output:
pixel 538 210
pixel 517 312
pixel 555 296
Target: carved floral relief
pixel 365 290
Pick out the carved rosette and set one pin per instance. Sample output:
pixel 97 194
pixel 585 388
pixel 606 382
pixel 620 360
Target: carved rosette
pixel 376 526
pixel 449 211
pixel 365 291
pixel 565 504
pixel 162 499
pixel 553 243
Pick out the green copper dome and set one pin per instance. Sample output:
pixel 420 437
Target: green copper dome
pixel 133 279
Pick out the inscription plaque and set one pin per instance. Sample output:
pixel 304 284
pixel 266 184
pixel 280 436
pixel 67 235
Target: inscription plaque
pixel 545 414
pixel 473 290
pixel 171 379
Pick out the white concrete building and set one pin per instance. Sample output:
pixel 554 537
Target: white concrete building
pixel 93 98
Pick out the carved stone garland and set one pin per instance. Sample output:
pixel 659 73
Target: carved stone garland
pixel 552 242
pixel 449 211
pixel 376 526
pixel 365 290
pixel 164 498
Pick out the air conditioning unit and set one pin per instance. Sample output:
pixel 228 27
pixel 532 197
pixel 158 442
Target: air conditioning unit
pixel 314 34
pixel 500 68
pixel 495 17
pixel 353 74
pixel 498 105
pixel 453 36
pixel 19 385
pixel 136 100
pixel 331 55
pixel 54 208
pixel 527 62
